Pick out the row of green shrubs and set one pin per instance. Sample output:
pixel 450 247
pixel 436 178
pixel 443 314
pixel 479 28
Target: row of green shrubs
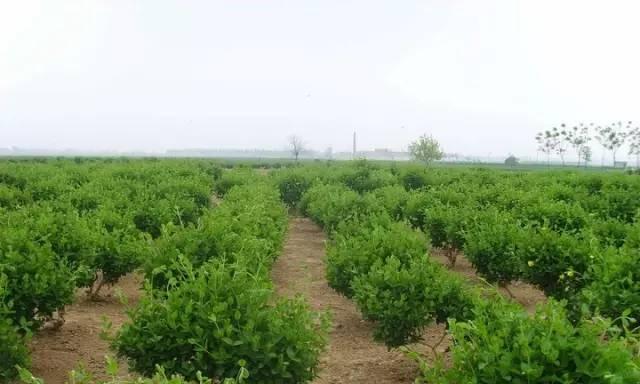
pixel 383 265
pixel 550 229
pixel 209 301
pixel 68 225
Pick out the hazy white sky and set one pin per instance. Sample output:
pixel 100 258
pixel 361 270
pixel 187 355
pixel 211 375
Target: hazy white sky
pixel 481 76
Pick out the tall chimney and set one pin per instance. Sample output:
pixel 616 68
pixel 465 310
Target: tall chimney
pixel 354 145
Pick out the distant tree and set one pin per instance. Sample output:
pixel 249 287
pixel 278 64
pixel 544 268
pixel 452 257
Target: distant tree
pixel 585 153
pixel 426 149
pixel 578 137
pixel 613 136
pixel 296 146
pixel 511 161
pixel 561 140
pixel 328 153
pixel 634 144
pixel 547 143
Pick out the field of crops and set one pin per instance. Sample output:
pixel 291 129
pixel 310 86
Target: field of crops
pixel 204 236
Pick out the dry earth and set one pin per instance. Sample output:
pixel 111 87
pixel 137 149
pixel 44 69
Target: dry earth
pixel 78 342
pixel 352 356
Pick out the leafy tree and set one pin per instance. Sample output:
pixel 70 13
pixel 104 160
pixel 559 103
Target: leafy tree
pixel 586 154
pixel 512 161
pixel 560 137
pixel 426 149
pixel 613 136
pixel 547 143
pixel 634 144
pixel 578 137
pixel 296 146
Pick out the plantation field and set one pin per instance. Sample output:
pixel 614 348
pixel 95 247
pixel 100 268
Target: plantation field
pixel 324 272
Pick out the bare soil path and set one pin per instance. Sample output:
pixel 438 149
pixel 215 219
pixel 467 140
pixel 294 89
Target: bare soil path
pixel 352 356
pixel 78 342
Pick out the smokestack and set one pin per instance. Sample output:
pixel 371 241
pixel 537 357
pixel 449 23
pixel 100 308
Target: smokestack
pixel 354 145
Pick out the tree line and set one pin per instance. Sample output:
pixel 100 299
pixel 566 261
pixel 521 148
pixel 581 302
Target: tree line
pixel 612 137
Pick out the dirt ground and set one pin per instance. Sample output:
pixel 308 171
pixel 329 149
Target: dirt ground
pixel 525 294
pixel 78 342
pixel 352 356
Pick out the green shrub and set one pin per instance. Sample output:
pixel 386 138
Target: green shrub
pixel 248 225
pixel 13 349
pixel 555 262
pixel 559 216
pixel 364 177
pixel 37 283
pixel 232 178
pixel 329 204
pixel 81 376
pixel 492 244
pixel 393 199
pixel 216 317
pixel 292 185
pixel 414 178
pixel 503 344
pixel 416 207
pixel 404 299
pixel 614 288
pixel 446 226
pixel 352 255
pixel 610 232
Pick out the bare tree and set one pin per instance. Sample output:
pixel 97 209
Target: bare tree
pixel 613 136
pixel 578 137
pixel 634 144
pixel 560 138
pixel 585 154
pixel 296 146
pixel 547 143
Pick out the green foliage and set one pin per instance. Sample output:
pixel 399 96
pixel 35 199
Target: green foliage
pixel 614 289
pixel 492 245
pixel 364 177
pixel 37 283
pixel 13 349
pixel 81 376
pixel 221 314
pixel 417 203
pixel 329 205
pixel 403 299
pixel 555 262
pixel 426 149
pixel 610 232
pixel 446 225
pixel 503 344
pixel 511 161
pixel 414 178
pixel 353 254
pixel 292 185
pixel 559 216
pixel 392 198
pixel 232 178
pixel 249 225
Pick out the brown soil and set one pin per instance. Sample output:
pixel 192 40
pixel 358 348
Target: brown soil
pixel 78 342
pixel 526 294
pixel 351 356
